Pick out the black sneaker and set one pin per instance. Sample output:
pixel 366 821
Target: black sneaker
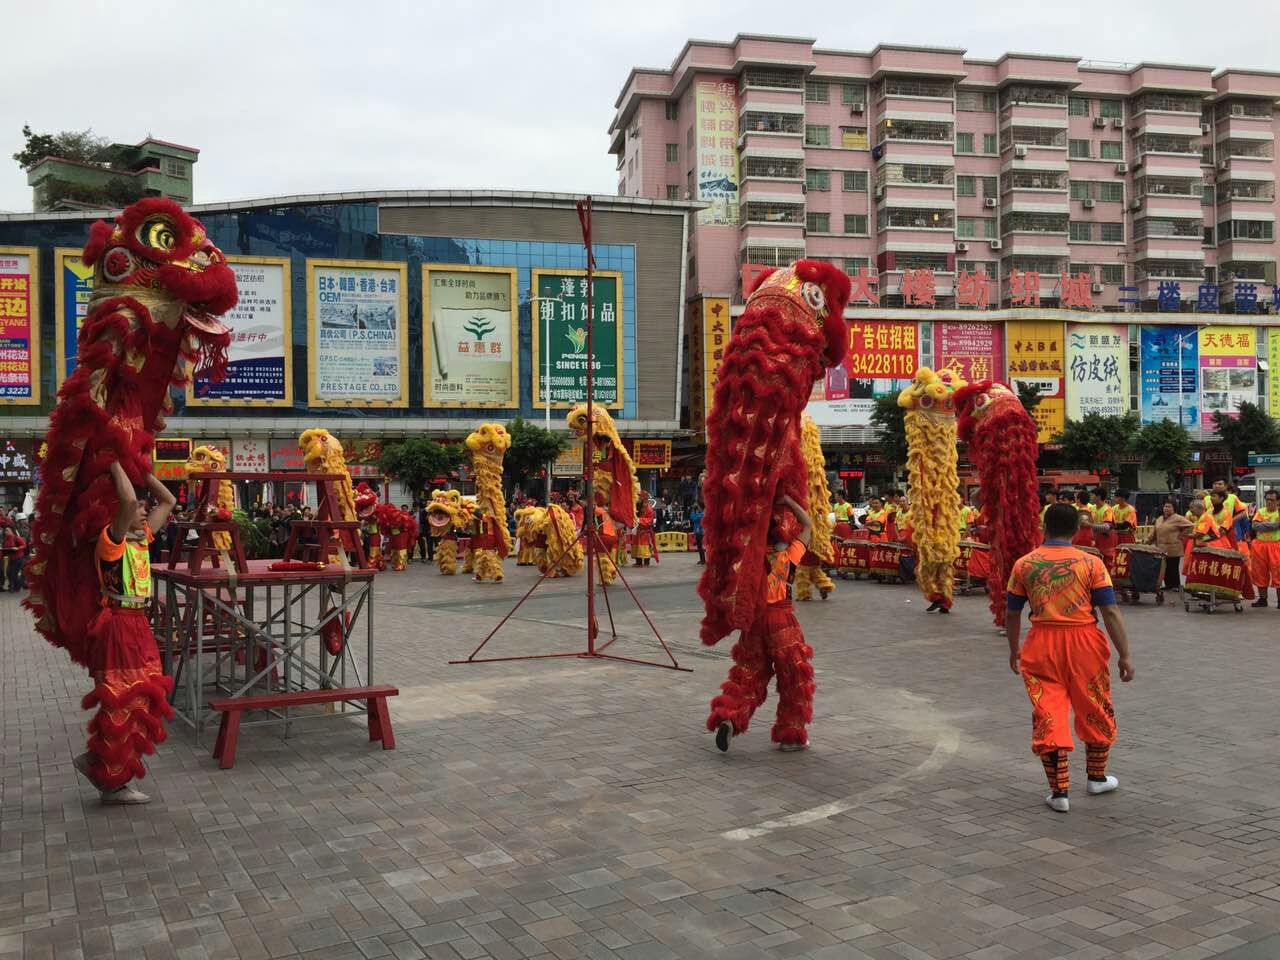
pixel 933 607
pixel 1261 602
pixel 943 610
pixel 723 733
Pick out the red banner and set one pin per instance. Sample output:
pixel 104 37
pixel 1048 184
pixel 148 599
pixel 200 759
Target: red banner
pixel 882 349
pixel 972 351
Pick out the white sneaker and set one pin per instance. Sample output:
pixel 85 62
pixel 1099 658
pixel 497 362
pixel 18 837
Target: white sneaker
pixel 1102 786
pixel 124 796
pixel 1058 804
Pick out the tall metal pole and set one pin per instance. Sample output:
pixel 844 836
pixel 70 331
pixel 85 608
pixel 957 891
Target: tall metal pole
pixel 588 445
pixel 546 378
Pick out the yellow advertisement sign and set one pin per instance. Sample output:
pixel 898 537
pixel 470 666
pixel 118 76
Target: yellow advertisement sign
pixel 1036 357
pixel 569 462
pixel 1273 373
pixel 715 337
pixel 651 454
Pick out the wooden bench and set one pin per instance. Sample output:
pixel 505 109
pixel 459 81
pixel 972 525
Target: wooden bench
pixel 224 749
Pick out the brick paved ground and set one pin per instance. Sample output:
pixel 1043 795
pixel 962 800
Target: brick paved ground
pixel 569 809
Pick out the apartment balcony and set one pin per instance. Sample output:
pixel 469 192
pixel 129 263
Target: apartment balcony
pixel 770 128
pixel 1167 124
pixel 783 211
pixel 1032 182
pixel 768 194
pixel 772 164
pixel 921 129
pixel 1247 188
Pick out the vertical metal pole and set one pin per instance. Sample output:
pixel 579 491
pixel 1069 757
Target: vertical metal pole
pixel 546 393
pixel 588 445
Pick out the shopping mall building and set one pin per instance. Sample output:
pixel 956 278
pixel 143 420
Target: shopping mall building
pixel 382 316
pixel 998 218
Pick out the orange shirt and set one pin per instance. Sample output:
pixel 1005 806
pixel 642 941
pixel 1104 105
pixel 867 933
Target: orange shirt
pixel 1062 585
pixel 778 585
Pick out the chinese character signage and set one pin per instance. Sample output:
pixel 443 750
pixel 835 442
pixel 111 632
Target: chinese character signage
pixel 971 351
pixel 882 359
pixel 715 337
pixel 1097 369
pixel 19 316
pixel 286 454
pixel 359 348
pixel 1036 357
pixel 250 456
pixel 1170 369
pixel 362 457
pixel 1273 373
pixel 716 143
pixel 562 313
pixel 1228 371
pixel 469 335
pixel 17 461
pixel 72 287
pixel 568 462
pixel 651 454
pixel 260 370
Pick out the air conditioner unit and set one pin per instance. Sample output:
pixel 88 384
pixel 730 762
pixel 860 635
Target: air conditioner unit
pixel 1096 288
pixel 1204 128
pixel 1099 122
pixel 1090 203
pixel 1136 204
pixel 1122 168
pixel 855 109
pixel 995 244
pixel 1224 164
pixel 1020 150
pixel 1137 161
pixel 962 248
pixel 879 193
pixel 989 202
pixel 1118 122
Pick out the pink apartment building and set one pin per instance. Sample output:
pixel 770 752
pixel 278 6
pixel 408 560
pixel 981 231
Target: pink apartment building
pixel 906 158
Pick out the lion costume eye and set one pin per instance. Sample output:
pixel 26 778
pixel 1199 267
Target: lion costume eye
pixel 158 232
pixel 981 402
pixel 814 297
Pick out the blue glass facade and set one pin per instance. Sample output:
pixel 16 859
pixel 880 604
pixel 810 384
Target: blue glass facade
pixel 350 231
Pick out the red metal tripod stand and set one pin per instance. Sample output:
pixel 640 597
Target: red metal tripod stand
pixel 594 546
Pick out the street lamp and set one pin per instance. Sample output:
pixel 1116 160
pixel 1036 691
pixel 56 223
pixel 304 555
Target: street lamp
pixel 1181 339
pixel 546 379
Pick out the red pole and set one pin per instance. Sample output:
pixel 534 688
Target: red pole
pixel 588 446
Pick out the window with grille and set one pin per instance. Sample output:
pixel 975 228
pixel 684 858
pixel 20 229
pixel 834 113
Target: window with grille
pixel 1113 273
pixel 914 173
pixel 1033 180
pixel 771 256
pixel 773 77
pixel 1081 190
pixel 911 260
pixel 1166 143
pixel 1245 230
pixel 1081 231
pixel 1252 149
pixel 1033 94
pixel 966 186
pixel 1207 240
pixel 176 168
pixel 918 218
pixel 817 222
pixel 1078 106
pixel 761 121
pixel 673 153
pixel 817 180
pixel 1111 192
pixel 855 223
pixel 1254 109
pixel 851 93
pixel 1078 149
pixel 1111 109
pixel 1168 102
pixel 926 130
pixel 855 181
pixel 974 101
pixel 673 109
pixel 815 92
pixel 673 191
pixel 762 211
pixel 917 87
pixel 1024 222
pixel 1229 190
pixel 964 143
pixel 990 145
pixel 817 135
pixel 1111 150
pixel 1112 232
pixel 852 265
pixel 780 168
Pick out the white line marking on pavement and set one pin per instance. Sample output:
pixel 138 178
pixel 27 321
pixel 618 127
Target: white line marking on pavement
pixel 946 747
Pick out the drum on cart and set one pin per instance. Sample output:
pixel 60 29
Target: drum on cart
pixel 852 558
pixel 1214 576
pixel 886 560
pixel 1138 567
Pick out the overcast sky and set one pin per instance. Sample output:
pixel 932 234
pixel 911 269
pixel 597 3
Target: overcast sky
pixel 285 96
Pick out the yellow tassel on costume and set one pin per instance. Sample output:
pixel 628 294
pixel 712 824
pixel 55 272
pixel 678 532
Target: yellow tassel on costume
pixel 447 557
pixel 819 511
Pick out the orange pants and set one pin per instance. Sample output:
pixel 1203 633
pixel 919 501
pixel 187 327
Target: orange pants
pixel 1264 563
pixel 774 644
pixel 1067 668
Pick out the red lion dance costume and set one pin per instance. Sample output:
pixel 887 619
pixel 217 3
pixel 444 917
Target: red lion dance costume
pixel 366 510
pixel 1002 445
pixel 159 285
pixel 792 329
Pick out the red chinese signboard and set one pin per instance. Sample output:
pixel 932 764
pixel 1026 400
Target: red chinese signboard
pixel 651 454
pixel 286 454
pixel 882 349
pixel 972 351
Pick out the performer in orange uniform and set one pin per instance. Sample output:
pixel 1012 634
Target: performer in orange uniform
pixel 1124 515
pixel 130 688
pixel 1084 532
pixel 1264 557
pixel 876 520
pixel 1066 661
pixel 774 644
pixel 1104 534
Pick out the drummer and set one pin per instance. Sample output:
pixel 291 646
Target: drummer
pixel 876 520
pixel 1170 533
pixel 1125 517
pixel 1084 533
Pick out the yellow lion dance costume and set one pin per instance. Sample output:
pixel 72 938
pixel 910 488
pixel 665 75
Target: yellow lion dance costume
pixel 555 538
pixel 613 481
pixel 322 453
pixel 206 459
pixel 810 573
pixel 526 552
pixel 444 520
pixel 934 514
pixel 488 444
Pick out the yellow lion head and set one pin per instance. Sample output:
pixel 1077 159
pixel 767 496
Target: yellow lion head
pixel 602 422
pixel 443 511
pixel 931 393
pixel 206 459
pixel 489 441
pixel 322 452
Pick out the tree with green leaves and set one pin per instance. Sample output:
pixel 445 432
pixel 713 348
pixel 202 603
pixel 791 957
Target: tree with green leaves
pixel 83 146
pixel 416 461
pixel 1250 430
pixel 890 427
pixel 1028 396
pixel 532 448
pixel 1164 445
pixel 1095 442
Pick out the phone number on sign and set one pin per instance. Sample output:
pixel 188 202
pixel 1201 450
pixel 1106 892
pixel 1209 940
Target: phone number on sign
pixel 888 365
